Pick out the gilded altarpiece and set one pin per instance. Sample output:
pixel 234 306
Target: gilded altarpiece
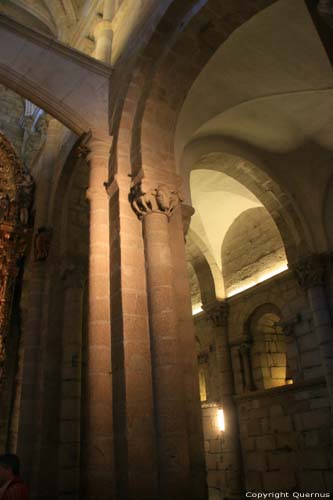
pixel 16 194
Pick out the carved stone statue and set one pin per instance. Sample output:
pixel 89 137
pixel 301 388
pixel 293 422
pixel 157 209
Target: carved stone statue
pixel 42 243
pixel 27 191
pixel 310 271
pixel 34 142
pixel 162 199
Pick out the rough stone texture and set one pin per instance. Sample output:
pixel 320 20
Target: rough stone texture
pixel 278 425
pixel 252 247
pixel 302 347
pixel 195 286
pixel 282 426
pixel 268 350
pixel 286 443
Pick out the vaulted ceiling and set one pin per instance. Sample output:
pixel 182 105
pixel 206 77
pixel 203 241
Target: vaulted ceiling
pixel 70 21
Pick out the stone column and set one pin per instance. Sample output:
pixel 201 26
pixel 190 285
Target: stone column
pixel 98 481
pixel 154 207
pixel 104 33
pixel 245 356
pixel 293 368
pixel 232 461
pixel 310 273
pixel 70 413
pixel 133 411
pixel 178 225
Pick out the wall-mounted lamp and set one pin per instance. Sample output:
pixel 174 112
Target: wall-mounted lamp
pixel 220 420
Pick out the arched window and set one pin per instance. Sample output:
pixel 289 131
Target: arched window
pixel 268 349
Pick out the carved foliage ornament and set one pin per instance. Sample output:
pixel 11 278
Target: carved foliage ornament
pixel 310 271
pixel 16 187
pixel 161 200
pixel 16 196
pixel 217 312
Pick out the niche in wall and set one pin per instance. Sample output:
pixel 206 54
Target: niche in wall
pixel 268 348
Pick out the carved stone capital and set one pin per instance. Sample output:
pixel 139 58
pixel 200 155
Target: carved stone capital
pixel 217 312
pixel 245 348
pixel 98 150
pixel 81 148
pixel 310 271
pixel 288 326
pixel 161 200
pixel 97 153
pixel 104 26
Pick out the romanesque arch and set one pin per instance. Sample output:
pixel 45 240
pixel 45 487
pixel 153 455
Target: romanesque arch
pixel 56 88
pixel 158 85
pixel 288 219
pixel 268 347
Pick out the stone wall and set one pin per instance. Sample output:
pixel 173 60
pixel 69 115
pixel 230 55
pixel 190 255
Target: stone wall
pixel 287 438
pixel 286 432
pixel 283 293
pixel 213 451
pixel 268 352
pixel 251 247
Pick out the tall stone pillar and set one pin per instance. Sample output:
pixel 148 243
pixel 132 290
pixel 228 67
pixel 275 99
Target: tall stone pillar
pixel 155 208
pixel 310 273
pixel 104 33
pixel 71 383
pixel 97 453
pixel 178 225
pixel 133 411
pixel 232 460
pixel 245 358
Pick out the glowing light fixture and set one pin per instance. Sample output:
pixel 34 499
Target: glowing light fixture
pixel 220 420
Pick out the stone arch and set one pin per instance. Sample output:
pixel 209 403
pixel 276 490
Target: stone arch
pixel 208 273
pixel 268 347
pixel 247 169
pixel 70 86
pixel 42 99
pixel 157 87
